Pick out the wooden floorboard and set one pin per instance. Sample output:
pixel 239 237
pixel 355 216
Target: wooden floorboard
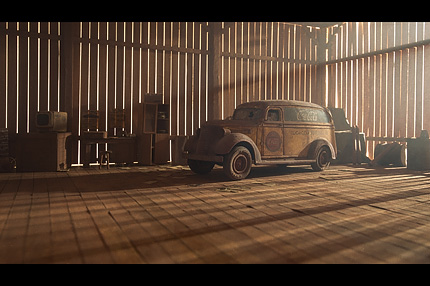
pixel 167 214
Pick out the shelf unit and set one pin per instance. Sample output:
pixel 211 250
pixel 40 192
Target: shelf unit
pixel 153 133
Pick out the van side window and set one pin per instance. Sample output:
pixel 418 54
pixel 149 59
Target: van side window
pixel 273 115
pixel 306 115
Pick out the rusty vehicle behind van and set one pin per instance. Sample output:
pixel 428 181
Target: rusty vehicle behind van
pixel 271 132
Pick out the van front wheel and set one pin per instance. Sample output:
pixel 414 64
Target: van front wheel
pixel 323 159
pixel 238 163
pixel 200 167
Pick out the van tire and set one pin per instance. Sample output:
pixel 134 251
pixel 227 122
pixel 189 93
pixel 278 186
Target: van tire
pixel 200 167
pixel 238 163
pixel 323 158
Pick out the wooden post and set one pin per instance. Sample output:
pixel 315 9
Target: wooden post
pixel 321 68
pixel 214 96
pixel 69 83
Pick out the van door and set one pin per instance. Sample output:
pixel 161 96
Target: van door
pixel 273 133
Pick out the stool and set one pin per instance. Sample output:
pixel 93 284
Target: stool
pixel 104 155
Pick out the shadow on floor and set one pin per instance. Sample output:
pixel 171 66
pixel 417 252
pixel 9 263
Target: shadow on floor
pixel 120 178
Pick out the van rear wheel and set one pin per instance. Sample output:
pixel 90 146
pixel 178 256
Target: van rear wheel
pixel 323 158
pixel 238 163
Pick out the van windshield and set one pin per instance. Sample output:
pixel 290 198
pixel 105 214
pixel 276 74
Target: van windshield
pixel 247 114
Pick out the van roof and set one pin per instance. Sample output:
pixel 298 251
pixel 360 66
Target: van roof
pixel 266 103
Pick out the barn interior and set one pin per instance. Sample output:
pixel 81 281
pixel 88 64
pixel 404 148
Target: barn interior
pixel 94 117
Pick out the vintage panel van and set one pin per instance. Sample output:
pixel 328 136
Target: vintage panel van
pixel 281 132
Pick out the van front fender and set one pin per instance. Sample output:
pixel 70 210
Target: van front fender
pixel 229 141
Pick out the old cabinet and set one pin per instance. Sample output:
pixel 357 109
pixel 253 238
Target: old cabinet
pixel 43 152
pixel 153 133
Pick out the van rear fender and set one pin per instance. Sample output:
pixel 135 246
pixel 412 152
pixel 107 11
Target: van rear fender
pixel 317 144
pixel 229 141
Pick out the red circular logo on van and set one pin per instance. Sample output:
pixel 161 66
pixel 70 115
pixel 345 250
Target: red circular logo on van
pixel 273 141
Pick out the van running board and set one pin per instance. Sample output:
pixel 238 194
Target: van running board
pixel 286 162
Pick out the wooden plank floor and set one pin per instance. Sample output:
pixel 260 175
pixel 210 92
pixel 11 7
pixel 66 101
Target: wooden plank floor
pixel 165 214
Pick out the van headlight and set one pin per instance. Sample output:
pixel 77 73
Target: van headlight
pixel 226 131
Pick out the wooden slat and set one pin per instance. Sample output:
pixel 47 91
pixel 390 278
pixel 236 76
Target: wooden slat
pixel 338 102
pixel 411 89
pixel 252 62
pixel 167 63
pixel 204 81
pixel 127 81
pixel 426 89
pixel 245 63
pixel 307 81
pixel 383 99
pixel 3 75
pixel 71 53
pixel 54 53
pixel 283 53
pixel 232 75
pixel 419 89
pixel 331 86
pixel 390 95
pixel 103 98
pixel 238 62
pixel 301 66
pixel 371 110
pixel 269 64
pixel 151 61
pixel 120 67
pixel 366 99
pixel 397 81
pixel 22 79
pixel 361 91
pixel 159 63
pixel 189 92
pixel 135 79
pixel 354 86
pixel 111 75
pixel 343 68
pixel 181 83
pixel 93 53
pixel 144 59
pixel 12 80
pixel 102 67
pixel 224 70
pixel 377 99
pixel 175 97
pixel 196 107
pixel 84 70
pixel 403 94
pixel 85 79
pixel 261 29
pixel 43 52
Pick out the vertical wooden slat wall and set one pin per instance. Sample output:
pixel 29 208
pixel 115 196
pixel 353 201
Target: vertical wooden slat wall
pixel 29 72
pixel 264 60
pixel 379 74
pixel 121 62
pixel 117 63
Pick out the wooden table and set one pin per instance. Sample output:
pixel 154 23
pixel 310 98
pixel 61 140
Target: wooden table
pixel 123 149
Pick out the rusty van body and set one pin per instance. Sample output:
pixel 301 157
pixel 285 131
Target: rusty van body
pixel 279 132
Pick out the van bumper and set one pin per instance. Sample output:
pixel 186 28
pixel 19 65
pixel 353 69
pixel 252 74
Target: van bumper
pixel 202 157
